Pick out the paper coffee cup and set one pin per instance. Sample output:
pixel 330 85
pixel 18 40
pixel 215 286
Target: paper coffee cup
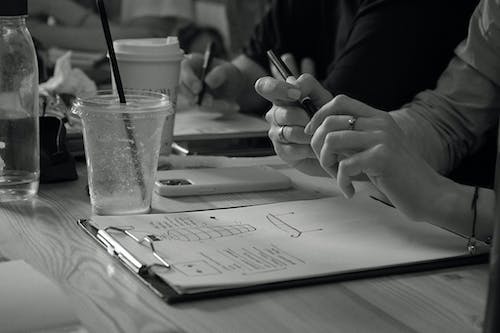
pixel 152 64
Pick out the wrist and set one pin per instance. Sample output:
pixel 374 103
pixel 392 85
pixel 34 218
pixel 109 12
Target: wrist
pixel 453 208
pixel 446 198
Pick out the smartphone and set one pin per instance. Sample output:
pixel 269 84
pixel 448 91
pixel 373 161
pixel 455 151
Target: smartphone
pixel 176 183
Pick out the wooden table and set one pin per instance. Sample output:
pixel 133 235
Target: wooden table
pixel 107 298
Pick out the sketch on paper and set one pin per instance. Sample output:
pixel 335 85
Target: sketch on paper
pixel 282 225
pixel 198 232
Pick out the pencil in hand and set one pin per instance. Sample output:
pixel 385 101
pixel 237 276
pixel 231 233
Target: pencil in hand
pixel 207 59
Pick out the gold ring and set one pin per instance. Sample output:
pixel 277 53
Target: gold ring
pixel 352 123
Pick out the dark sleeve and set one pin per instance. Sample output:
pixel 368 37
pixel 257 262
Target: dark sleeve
pixel 272 32
pixel 396 49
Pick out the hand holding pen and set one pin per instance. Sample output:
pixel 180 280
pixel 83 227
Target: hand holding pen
pixel 207 60
pixel 285 73
pixel 210 82
pixel 288 118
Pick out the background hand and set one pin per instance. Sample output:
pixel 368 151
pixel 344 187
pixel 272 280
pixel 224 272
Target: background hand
pixel 224 83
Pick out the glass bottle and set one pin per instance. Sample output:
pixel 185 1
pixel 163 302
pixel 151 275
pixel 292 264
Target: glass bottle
pixel 19 129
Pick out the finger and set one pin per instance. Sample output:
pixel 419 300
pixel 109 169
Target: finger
pixel 343 142
pixel 187 93
pixel 309 86
pixel 276 91
pixel 289 135
pixel 335 130
pixel 217 76
pixel 308 66
pixel 275 73
pixel 189 66
pixel 289 60
pixel 289 116
pixel 341 123
pixel 329 161
pixel 292 153
pixel 341 105
pixel 353 166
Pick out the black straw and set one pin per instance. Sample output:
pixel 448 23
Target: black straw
pixel 111 51
pixel 121 95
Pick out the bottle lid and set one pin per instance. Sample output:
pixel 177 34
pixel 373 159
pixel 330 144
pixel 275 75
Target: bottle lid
pixel 13 7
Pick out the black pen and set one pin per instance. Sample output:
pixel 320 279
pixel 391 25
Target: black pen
pixel 285 72
pixel 207 59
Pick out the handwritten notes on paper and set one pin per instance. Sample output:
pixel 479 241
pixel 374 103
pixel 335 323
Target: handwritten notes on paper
pixel 252 245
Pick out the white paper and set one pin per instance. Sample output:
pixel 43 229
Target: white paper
pixel 196 124
pixel 300 239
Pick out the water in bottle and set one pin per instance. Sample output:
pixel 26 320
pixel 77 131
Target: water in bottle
pixel 19 132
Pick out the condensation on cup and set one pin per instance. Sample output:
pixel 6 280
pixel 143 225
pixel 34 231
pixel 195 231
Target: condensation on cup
pixel 122 146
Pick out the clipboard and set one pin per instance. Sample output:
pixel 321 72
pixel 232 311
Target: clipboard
pixel 148 276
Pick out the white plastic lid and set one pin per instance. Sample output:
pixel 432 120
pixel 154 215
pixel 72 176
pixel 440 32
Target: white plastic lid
pixel 148 49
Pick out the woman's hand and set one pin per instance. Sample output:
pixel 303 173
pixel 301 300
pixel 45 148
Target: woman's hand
pixel 224 81
pixel 288 119
pixel 350 139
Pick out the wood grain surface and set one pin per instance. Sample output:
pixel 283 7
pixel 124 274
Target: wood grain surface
pixel 107 298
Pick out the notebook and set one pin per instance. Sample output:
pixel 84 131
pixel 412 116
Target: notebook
pixel 227 251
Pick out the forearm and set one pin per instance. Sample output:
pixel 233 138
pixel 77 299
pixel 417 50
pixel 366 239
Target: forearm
pixel 448 123
pixel 248 99
pixel 452 209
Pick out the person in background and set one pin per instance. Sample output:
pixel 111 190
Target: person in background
pixel 365 48
pixel 76 26
pixel 404 153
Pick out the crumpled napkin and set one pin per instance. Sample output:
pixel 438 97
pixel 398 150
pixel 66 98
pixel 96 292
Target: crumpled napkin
pixel 56 94
pixel 68 80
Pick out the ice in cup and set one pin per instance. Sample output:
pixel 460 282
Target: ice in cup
pixel 152 64
pixel 122 145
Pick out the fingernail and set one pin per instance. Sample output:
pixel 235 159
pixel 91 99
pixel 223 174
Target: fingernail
pixel 308 129
pixel 294 94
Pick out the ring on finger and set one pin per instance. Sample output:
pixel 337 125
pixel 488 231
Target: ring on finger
pixel 281 134
pixel 352 123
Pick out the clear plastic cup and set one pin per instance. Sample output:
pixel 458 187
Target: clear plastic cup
pixel 122 145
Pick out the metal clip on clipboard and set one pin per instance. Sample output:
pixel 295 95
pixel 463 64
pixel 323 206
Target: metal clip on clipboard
pixel 115 249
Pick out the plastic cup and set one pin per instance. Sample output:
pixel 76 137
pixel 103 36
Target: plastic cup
pixel 122 144
pixel 152 64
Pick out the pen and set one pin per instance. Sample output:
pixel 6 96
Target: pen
pixel 207 59
pixel 285 72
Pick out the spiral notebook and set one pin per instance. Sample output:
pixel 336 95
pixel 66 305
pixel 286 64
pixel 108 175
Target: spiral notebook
pixel 187 256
